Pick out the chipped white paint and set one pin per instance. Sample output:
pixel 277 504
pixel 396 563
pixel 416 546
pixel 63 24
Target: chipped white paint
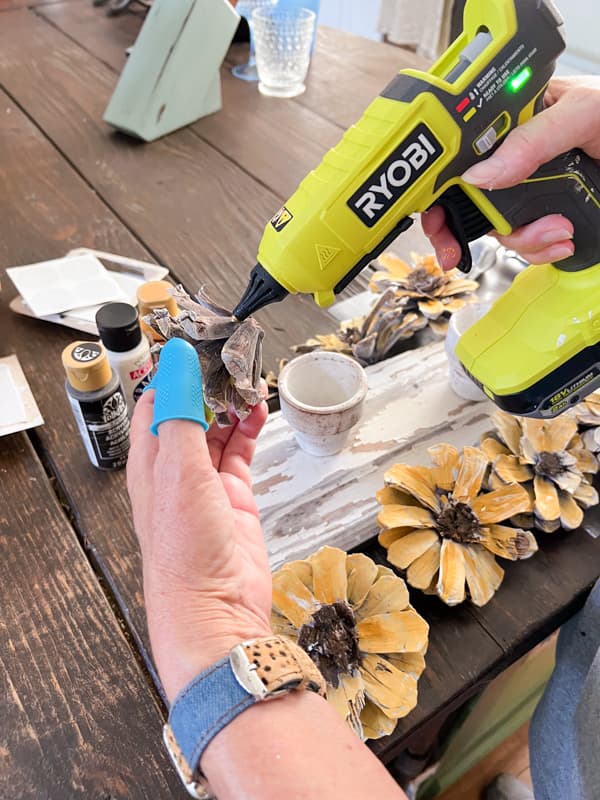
pixel 306 502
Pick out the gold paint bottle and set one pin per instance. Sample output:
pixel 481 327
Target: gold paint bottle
pixel 153 295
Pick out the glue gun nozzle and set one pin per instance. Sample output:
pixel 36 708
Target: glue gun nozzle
pixel 262 290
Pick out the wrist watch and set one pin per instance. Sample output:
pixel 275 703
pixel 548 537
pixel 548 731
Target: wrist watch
pixel 254 671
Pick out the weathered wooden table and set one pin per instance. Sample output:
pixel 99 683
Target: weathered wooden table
pixel 81 705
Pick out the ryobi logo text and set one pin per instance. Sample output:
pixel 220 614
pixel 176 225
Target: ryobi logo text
pixel 395 176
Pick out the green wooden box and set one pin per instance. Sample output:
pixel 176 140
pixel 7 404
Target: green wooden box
pixel 171 78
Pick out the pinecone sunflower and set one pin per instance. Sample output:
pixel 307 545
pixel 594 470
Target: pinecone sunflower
pixel 424 289
pixel 549 459
pixel 410 299
pixel 354 620
pixel 588 417
pixel 445 532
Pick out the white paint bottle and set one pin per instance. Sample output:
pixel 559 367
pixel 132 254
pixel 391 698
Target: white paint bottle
pixel 128 351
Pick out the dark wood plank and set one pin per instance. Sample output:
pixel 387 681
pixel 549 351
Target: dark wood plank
pixel 78 717
pixel 347 72
pixel 459 662
pixel 276 141
pixel 46 209
pixel 541 593
pixel 98 499
pixel 106 38
pixel 11 5
pixel 193 207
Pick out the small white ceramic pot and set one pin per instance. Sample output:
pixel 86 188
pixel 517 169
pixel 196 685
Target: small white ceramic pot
pixel 460 382
pixel 321 396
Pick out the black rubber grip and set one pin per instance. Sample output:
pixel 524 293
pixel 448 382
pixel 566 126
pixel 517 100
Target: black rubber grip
pixel 465 221
pixel 568 185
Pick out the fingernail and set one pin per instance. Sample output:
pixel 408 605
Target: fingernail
pixel 449 258
pixel 561 251
pixel 486 173
pixel 555 236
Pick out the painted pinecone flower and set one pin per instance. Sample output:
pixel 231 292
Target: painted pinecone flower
pixel 440 527
pixel 372 338
pixel 549 459
pixel 354 620
pixel 588 417
pixel 424 289
pixel 229 351
pixel 410 298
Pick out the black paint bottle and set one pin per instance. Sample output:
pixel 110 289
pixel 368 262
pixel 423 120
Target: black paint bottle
pixel 98 404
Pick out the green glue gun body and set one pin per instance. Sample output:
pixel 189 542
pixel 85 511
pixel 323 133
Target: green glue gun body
pixel 538 350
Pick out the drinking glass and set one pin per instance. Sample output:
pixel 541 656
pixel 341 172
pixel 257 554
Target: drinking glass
pixel 283 39
pixel 247 71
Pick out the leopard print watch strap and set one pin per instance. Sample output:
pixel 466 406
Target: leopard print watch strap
pixel 271 666
pixel 254 671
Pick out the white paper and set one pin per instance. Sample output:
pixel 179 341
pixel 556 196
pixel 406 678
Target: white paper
pixel 127 283
pixel 51 287
pixel 18 409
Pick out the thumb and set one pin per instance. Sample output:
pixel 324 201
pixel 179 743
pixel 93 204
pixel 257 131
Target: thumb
pixel 178 386
pixel 549 134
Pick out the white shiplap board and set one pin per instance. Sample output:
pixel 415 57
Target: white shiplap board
pixel 306 502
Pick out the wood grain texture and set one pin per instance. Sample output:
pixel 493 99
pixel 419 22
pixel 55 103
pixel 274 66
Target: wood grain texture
pixel 354 67
pixel 305 502
pixel 308 502
pixel 276 141
pixel 106 38
pixel 461 659
pixel 78 718
pixel 46 210
pixel 11 5
pixel 194 208
pixel 541 593
pixel 50 211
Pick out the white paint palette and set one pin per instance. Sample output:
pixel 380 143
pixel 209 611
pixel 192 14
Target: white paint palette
pixel 51 287
pixel 128 274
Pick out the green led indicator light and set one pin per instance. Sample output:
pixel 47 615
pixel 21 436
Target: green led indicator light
pixel 520 79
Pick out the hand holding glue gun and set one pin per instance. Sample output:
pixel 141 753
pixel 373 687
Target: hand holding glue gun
pixel 571 119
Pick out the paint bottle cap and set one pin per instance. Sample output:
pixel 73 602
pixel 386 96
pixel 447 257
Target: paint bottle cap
pixel 87 366
pixel 156 294
pixel 118 327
